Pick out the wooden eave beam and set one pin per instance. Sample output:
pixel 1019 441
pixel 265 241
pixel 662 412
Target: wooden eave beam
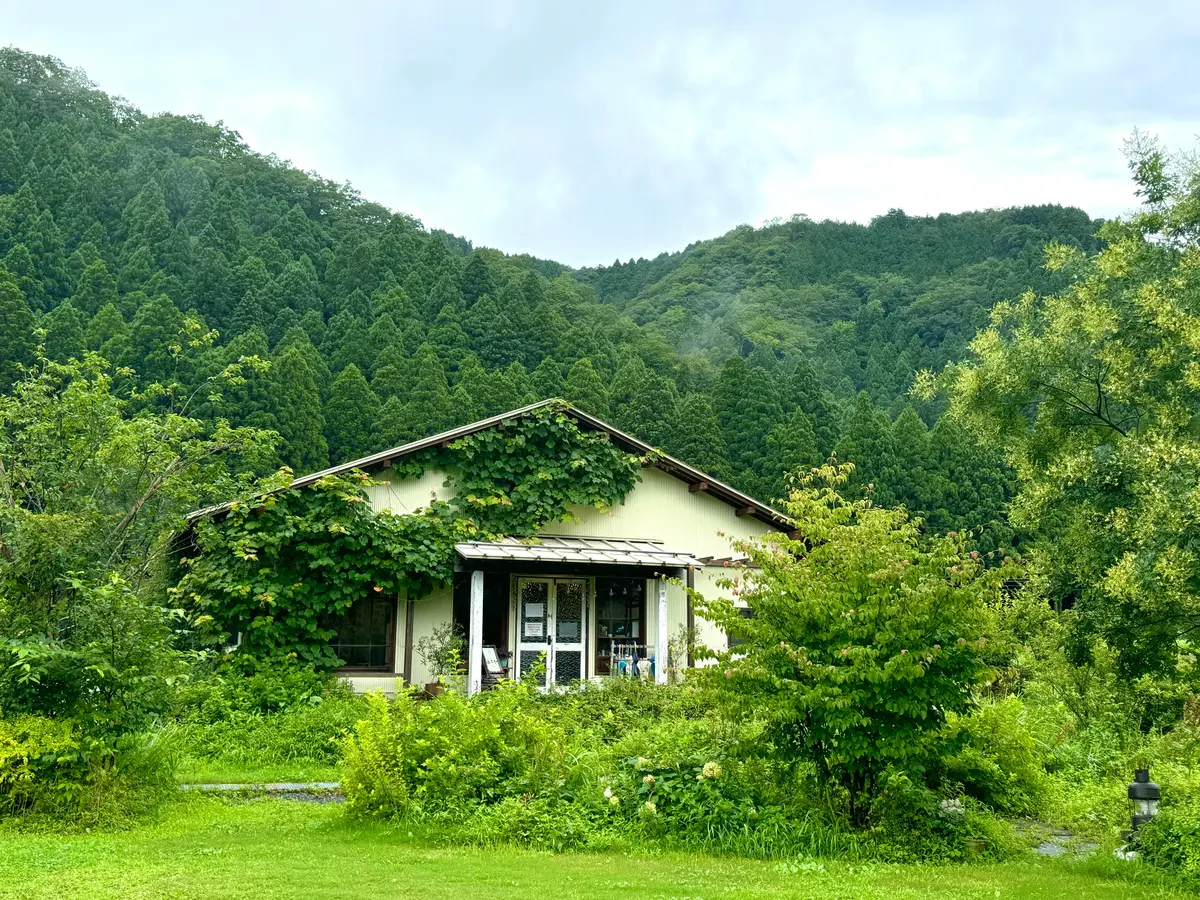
pixel 743 511
pixel 698 487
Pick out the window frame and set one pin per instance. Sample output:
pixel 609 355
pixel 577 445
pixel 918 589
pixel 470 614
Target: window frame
pixel 389 664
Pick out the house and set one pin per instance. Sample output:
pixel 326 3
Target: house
pixel 597 594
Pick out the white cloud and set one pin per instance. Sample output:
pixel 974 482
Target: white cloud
pixel 588 132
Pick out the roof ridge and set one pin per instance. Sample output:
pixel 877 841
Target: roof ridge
pixel 744 503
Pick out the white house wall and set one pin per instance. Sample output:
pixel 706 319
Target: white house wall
pixel 661 508
pixel 406 496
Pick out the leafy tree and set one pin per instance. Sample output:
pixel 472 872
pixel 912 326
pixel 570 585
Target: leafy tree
pixel 297 287
pixel 429 409
pixel 64 332
pixel 866 441
pixel 803 388
pixel 696 437
pixel 21 269
pixel 546 380
pixel 477 279
pixel 865 635
pixel 108 334
pixel 345 343
pixel 299 418
pixel 447 337
pixel 747 409
pixel 394 429
pixel 251 398
pixel 94 483
pixel 791 448
pixel 96 287
pixel 1092 394
pixel 154 338
pixel 382 334
pixel 17 343
pixel 350 416
pixel 393 374
pixel 146 222
pixel 585 389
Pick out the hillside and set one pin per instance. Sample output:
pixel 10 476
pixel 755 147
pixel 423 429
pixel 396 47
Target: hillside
pixel 750 355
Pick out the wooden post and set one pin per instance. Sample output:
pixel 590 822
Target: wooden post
pixel 660 648
pixel 475 635
pixel 409 615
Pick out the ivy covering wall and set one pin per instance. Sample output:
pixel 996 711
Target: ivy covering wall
pixel 278 568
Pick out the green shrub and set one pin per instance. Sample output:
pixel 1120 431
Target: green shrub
pixel 914 823
pixel 39 758
pixel 55 777
pixel 534 822
pixel 440 759
pixel 306 732
pixel 1172 838
pixel 249 716
pixel 624 765
pixel 1089 797
pixel 998 760
pixel 245 686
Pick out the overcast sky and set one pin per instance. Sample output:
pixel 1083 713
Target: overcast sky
pixel 586 131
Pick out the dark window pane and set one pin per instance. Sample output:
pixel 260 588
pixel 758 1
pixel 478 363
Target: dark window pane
pixel 363 634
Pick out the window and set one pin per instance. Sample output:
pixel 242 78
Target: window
pixel 746 613
pixel 366 634
pixel 620 621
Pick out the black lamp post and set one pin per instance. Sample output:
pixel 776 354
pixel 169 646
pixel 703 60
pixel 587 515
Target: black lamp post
pixel 1145 795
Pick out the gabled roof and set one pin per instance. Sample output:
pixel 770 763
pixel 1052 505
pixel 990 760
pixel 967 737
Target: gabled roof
pixel 697 481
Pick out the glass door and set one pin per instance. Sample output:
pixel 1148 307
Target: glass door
pixel 570 643
pixel 533 618
pixel 552 620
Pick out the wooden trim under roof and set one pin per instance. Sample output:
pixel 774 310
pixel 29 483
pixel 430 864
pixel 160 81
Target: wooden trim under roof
pixel 743 504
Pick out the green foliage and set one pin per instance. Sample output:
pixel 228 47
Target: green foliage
pixel 1172 838
pixel 998 761
pixel 56 777
pixel 278 568
pixel 442 651
pixel 92 482
pixel 865 635
pixel 1092 394
pixel 915 823
pixel 439 760
pixel 515 480
pixel 110 665
pixel 351 416
pixel 247 716
pixel 38 757
pixel 17 344
pixel 187 218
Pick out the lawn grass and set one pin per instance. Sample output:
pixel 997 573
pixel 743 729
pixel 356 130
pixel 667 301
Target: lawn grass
pixel 206 847
pixel 209 771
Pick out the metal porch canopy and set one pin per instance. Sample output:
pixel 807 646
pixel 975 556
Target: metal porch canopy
pixel 602 551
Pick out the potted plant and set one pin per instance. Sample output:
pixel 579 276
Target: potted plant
pixel 442 653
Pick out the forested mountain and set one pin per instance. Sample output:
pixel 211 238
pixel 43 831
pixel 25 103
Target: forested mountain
pixel 169 247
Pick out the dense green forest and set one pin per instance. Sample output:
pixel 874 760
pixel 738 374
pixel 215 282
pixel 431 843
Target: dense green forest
pixel 166 245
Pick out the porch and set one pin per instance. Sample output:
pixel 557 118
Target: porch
pixel 590 607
